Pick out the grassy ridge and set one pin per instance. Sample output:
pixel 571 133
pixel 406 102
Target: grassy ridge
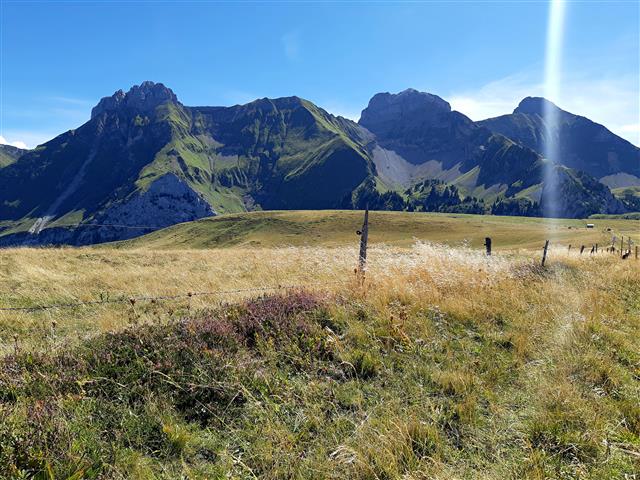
pixel 334 227
pixel 448 364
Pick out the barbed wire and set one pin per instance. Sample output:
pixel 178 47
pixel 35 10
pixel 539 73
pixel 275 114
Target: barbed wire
pixel 133 299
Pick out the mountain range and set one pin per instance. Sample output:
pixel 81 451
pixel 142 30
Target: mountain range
pixel 145 161
pixel 583 144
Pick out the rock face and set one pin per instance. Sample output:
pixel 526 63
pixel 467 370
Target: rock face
pixel 167 201
pixel 140 98
pixel 420 135
pixel 415 110
pixel 420 127
pixel 583 144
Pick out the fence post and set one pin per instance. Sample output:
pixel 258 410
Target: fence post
pixel 596 248
pixel 636 252
pixel 581 249
pixel 364 237
pixel 544 253
pixel 593 249
pixel 569 251
pixel 621 245
pixel 487 243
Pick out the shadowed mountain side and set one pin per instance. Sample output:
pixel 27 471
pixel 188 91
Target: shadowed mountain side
pixel 582 144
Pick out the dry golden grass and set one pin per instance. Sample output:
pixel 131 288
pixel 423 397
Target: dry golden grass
pixel 467 366
pixel 460 279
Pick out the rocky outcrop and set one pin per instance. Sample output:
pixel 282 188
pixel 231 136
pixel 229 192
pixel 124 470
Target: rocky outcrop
pixel 167 201
pixel 413 108
pixel 142 98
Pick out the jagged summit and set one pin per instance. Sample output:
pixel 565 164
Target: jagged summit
pixel 143 97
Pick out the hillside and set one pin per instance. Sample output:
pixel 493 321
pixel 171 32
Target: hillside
pixel 338 228
pixel 9 154
pixel 583 144
pixel 629 196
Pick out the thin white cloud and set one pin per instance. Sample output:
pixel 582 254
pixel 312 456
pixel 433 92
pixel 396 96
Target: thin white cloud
pixel 606 99
pixel 28 139
pixel 291 45
pixel 16 143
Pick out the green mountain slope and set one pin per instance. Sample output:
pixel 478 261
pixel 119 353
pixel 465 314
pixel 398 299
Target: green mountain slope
pixel 146 160
pixel 9 154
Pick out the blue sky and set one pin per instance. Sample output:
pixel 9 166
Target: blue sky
pixel 59 58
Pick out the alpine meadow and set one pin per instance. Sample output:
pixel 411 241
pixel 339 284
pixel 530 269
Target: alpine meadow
pixel 438 286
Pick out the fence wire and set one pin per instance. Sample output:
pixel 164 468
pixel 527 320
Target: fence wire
pixel 153 298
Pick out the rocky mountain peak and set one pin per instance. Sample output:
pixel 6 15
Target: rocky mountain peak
pixel 385 109
pixel 406 101
pixel 535 106
pixel 144 97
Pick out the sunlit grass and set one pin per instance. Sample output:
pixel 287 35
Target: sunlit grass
pixel 445 364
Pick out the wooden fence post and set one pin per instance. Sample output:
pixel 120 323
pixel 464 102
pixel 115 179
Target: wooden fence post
pixel 364 237
pixel 593 249
pixel 596 248
pixel 621 245
pixel 636 252
pixel 544 253
pixel 581 249
pixel 487 243
pixel 569 251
